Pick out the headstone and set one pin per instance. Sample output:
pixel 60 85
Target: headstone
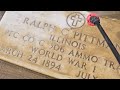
pixel 59 44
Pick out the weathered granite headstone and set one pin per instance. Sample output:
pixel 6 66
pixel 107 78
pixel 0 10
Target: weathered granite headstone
pixel 59 44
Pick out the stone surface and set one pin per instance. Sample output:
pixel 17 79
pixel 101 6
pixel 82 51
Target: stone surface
pixel 11 71
pixel 106 65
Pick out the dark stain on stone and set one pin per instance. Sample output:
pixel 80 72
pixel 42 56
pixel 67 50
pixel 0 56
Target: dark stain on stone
pixel 118 35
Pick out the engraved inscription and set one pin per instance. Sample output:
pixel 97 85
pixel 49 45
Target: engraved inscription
pixel 43 43
pixel 75 20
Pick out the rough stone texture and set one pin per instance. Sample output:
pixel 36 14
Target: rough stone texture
pixel 11 71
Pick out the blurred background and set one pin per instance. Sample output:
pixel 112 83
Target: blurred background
pixel 11 71
pixel 110 14
pixel 106 12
